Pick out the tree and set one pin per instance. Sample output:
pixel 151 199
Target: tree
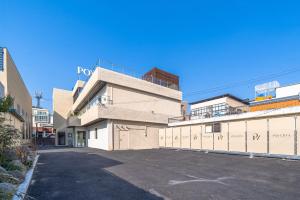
pixel 6 103
pixel 8 134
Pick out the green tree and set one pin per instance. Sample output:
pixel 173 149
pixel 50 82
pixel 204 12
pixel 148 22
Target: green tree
pixel 6 103
pixel 8 134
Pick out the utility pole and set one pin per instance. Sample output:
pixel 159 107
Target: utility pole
pixel 38 96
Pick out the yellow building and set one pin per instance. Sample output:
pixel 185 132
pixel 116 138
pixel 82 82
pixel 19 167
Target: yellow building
pixel 11 83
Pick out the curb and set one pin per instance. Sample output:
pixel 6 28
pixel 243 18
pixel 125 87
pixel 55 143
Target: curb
pixel 23 187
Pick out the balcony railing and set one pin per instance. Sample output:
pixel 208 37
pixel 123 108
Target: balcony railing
pixel 210 114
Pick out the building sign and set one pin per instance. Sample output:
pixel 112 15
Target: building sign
pixel 84 71
pixel 266 91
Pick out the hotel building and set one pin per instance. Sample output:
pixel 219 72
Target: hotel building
pixel 114 111
pixel 11 83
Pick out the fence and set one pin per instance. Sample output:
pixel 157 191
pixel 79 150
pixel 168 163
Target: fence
pixel 277 135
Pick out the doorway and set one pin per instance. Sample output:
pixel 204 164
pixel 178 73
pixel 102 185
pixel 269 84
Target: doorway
pixel 81 139
pixel 61 138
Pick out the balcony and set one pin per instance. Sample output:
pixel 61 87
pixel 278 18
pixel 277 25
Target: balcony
pixel 73 121
pixel 99 112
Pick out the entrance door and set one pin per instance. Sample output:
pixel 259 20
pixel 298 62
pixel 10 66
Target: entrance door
pixel 81 139
pixel 124 140
pixel 61 138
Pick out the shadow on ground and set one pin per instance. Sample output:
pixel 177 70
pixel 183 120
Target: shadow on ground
pixel 74 175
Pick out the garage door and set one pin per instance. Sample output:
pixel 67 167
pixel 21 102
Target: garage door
pixel 124 140
pixel 162 137
pixel 257 136
pixel 282 135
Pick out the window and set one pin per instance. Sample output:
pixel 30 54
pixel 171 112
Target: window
pixel 208 129
pixel 89 136
pixel 213 128
pixel 96 133
pixel 18 109
pixel 217 127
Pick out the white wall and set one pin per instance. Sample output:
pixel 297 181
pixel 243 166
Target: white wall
pixel 102 142
pixel 288 91
pixel 208 103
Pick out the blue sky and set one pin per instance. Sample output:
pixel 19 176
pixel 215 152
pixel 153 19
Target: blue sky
pixel 208 44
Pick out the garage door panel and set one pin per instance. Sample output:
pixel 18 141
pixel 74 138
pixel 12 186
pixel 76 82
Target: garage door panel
pixel 207 139
pixel 282 135
pixel 237 136
pixel 257 136
pixel 185 137
pixel 169 136
pixel 221 139
pixel 176 137
pixel 162 139
pixel 196 136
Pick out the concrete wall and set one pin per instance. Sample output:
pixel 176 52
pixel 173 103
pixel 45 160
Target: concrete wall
pixel 14 86
pixel 62 102
pixel 124 97
pixel 102 140
pixel 273 135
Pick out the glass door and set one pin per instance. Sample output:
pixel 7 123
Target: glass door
pixel 81 139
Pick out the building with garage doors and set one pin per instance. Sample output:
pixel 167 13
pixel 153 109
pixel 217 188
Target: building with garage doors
pixel 11 83
pixel 114 111
pixel 213 127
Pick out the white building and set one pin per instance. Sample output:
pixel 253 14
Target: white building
pixel 113 111
pixel 217 106
pixel 42 122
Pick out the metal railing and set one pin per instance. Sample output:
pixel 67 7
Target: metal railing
pixel 211 114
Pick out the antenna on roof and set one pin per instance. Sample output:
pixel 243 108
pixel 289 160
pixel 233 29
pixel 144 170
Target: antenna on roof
pixel 38 96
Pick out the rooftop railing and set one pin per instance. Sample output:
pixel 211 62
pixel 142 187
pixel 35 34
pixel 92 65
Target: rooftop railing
pixel 210 114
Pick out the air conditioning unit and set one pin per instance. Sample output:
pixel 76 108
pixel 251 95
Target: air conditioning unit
pixel 103 100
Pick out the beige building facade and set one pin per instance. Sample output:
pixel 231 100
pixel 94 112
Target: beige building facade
pixel 11 83
pixel 113 111
pixel 274 132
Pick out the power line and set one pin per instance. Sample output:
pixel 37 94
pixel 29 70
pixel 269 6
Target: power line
pixel 244 82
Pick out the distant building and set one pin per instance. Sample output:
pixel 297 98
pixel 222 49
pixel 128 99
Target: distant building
pixel 11 83
pixel 42 122
pixel 218 106
pixel 285 96
pixel 163 78
pixel 114 111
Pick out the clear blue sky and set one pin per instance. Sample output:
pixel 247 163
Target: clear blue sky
pixel 207 43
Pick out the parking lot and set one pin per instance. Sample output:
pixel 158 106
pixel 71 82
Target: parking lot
pixel 161 174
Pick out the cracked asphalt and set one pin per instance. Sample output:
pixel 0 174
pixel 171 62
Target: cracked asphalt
pixel 74 173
